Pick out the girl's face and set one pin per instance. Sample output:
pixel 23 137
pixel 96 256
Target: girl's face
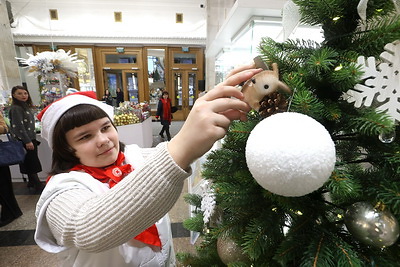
pixel 165 96
pixel 21 95
pixel 96 143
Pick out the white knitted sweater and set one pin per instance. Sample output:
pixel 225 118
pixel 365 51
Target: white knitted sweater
pixel 80 217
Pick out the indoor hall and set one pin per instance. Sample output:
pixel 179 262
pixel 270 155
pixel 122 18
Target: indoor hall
pixel 262 206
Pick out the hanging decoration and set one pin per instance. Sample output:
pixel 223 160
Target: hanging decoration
pixel 290 154
pixel 290 18
pixel 229 251
pixel 372 226
pixel 208 203
pixel 53 69
pixel 382 84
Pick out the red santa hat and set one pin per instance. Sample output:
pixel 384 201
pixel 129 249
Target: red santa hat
pixel 50 115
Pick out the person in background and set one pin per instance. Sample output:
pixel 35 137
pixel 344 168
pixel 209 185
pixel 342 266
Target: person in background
pixel 120 96
pixel 108 97
pixel 106 204
pixel 22 127
pixel 9 205
pixel 165 114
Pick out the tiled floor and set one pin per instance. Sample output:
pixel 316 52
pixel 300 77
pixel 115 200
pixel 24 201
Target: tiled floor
pixel 17 247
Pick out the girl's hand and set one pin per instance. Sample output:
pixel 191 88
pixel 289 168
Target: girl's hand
pixel 210 117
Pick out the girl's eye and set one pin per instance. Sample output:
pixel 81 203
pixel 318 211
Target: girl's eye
pixel 84 137
pixel 105 128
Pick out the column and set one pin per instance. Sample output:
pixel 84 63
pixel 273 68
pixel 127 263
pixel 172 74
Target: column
pixel 9 70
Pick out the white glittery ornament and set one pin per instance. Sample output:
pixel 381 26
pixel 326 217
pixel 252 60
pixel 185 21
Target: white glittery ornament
pixel 290 154
pixel 207 201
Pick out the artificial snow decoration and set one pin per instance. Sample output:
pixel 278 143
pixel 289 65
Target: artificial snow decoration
pixel 207 201
pixel 290 154
pixel 382 82
pixel 48 62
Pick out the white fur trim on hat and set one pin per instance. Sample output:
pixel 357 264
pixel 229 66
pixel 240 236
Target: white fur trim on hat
pixel 58 108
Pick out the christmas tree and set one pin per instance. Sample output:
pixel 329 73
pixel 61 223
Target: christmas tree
pixel 349 83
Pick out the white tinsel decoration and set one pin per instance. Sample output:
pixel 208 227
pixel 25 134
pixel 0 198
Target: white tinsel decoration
pixel 48 62
pixel 207 201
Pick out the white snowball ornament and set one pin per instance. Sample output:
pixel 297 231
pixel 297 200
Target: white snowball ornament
pixel 290 154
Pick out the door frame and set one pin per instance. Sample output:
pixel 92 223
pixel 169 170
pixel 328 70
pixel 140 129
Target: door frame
pixel 181 114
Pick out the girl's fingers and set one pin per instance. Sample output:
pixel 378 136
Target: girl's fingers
pixel 235 115
pixel 240 77
pixel 222 91
pixel 241 68
pixel 223 104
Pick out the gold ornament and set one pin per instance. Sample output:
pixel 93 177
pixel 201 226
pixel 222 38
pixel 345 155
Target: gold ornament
pixel 229 251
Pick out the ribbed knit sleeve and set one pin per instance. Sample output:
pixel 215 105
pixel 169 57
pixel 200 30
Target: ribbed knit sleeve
pixel 94 223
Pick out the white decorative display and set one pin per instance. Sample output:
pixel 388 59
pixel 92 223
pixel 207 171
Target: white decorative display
pixel 207 201
pixel 290 154
pixel 46 63
pixel 382 82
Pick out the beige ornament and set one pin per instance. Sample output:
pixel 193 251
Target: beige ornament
pixel 262 84
pixel 229 251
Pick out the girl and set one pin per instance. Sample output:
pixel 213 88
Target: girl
pixel 22 128
pixel 165 114
pixel 105 204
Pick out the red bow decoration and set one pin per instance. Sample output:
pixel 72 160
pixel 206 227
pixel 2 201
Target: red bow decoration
pixel 112 175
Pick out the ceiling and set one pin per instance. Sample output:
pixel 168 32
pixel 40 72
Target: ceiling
pixel 92 21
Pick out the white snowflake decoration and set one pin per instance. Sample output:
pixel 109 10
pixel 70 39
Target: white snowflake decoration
pixel 207 201
pixel 382 82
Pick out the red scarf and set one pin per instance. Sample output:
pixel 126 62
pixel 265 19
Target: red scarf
pixel 166 109
pixel 112 175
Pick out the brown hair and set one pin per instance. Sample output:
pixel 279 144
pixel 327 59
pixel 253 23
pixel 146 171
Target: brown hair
pixel 16 101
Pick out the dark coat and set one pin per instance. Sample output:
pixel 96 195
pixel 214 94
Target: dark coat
pixel 160 113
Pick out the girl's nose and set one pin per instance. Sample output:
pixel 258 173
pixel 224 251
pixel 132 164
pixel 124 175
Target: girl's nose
pixel 102 139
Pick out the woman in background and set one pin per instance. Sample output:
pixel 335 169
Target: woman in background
pixel 22 128
pixel 120 96
pixel 108 97
pixel 9 205
pixel 165 114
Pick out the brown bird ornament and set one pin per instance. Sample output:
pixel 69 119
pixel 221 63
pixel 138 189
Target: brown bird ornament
pixel 263 84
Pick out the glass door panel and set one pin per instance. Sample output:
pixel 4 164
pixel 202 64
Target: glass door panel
pixel 185 92
pixel 113 80
pixel 132 87
pixel 156 75
pixel 192 82
pixel 86 75
pixel 178 90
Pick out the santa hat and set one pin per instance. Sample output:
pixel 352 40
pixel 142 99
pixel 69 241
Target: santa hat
pixel 50 115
